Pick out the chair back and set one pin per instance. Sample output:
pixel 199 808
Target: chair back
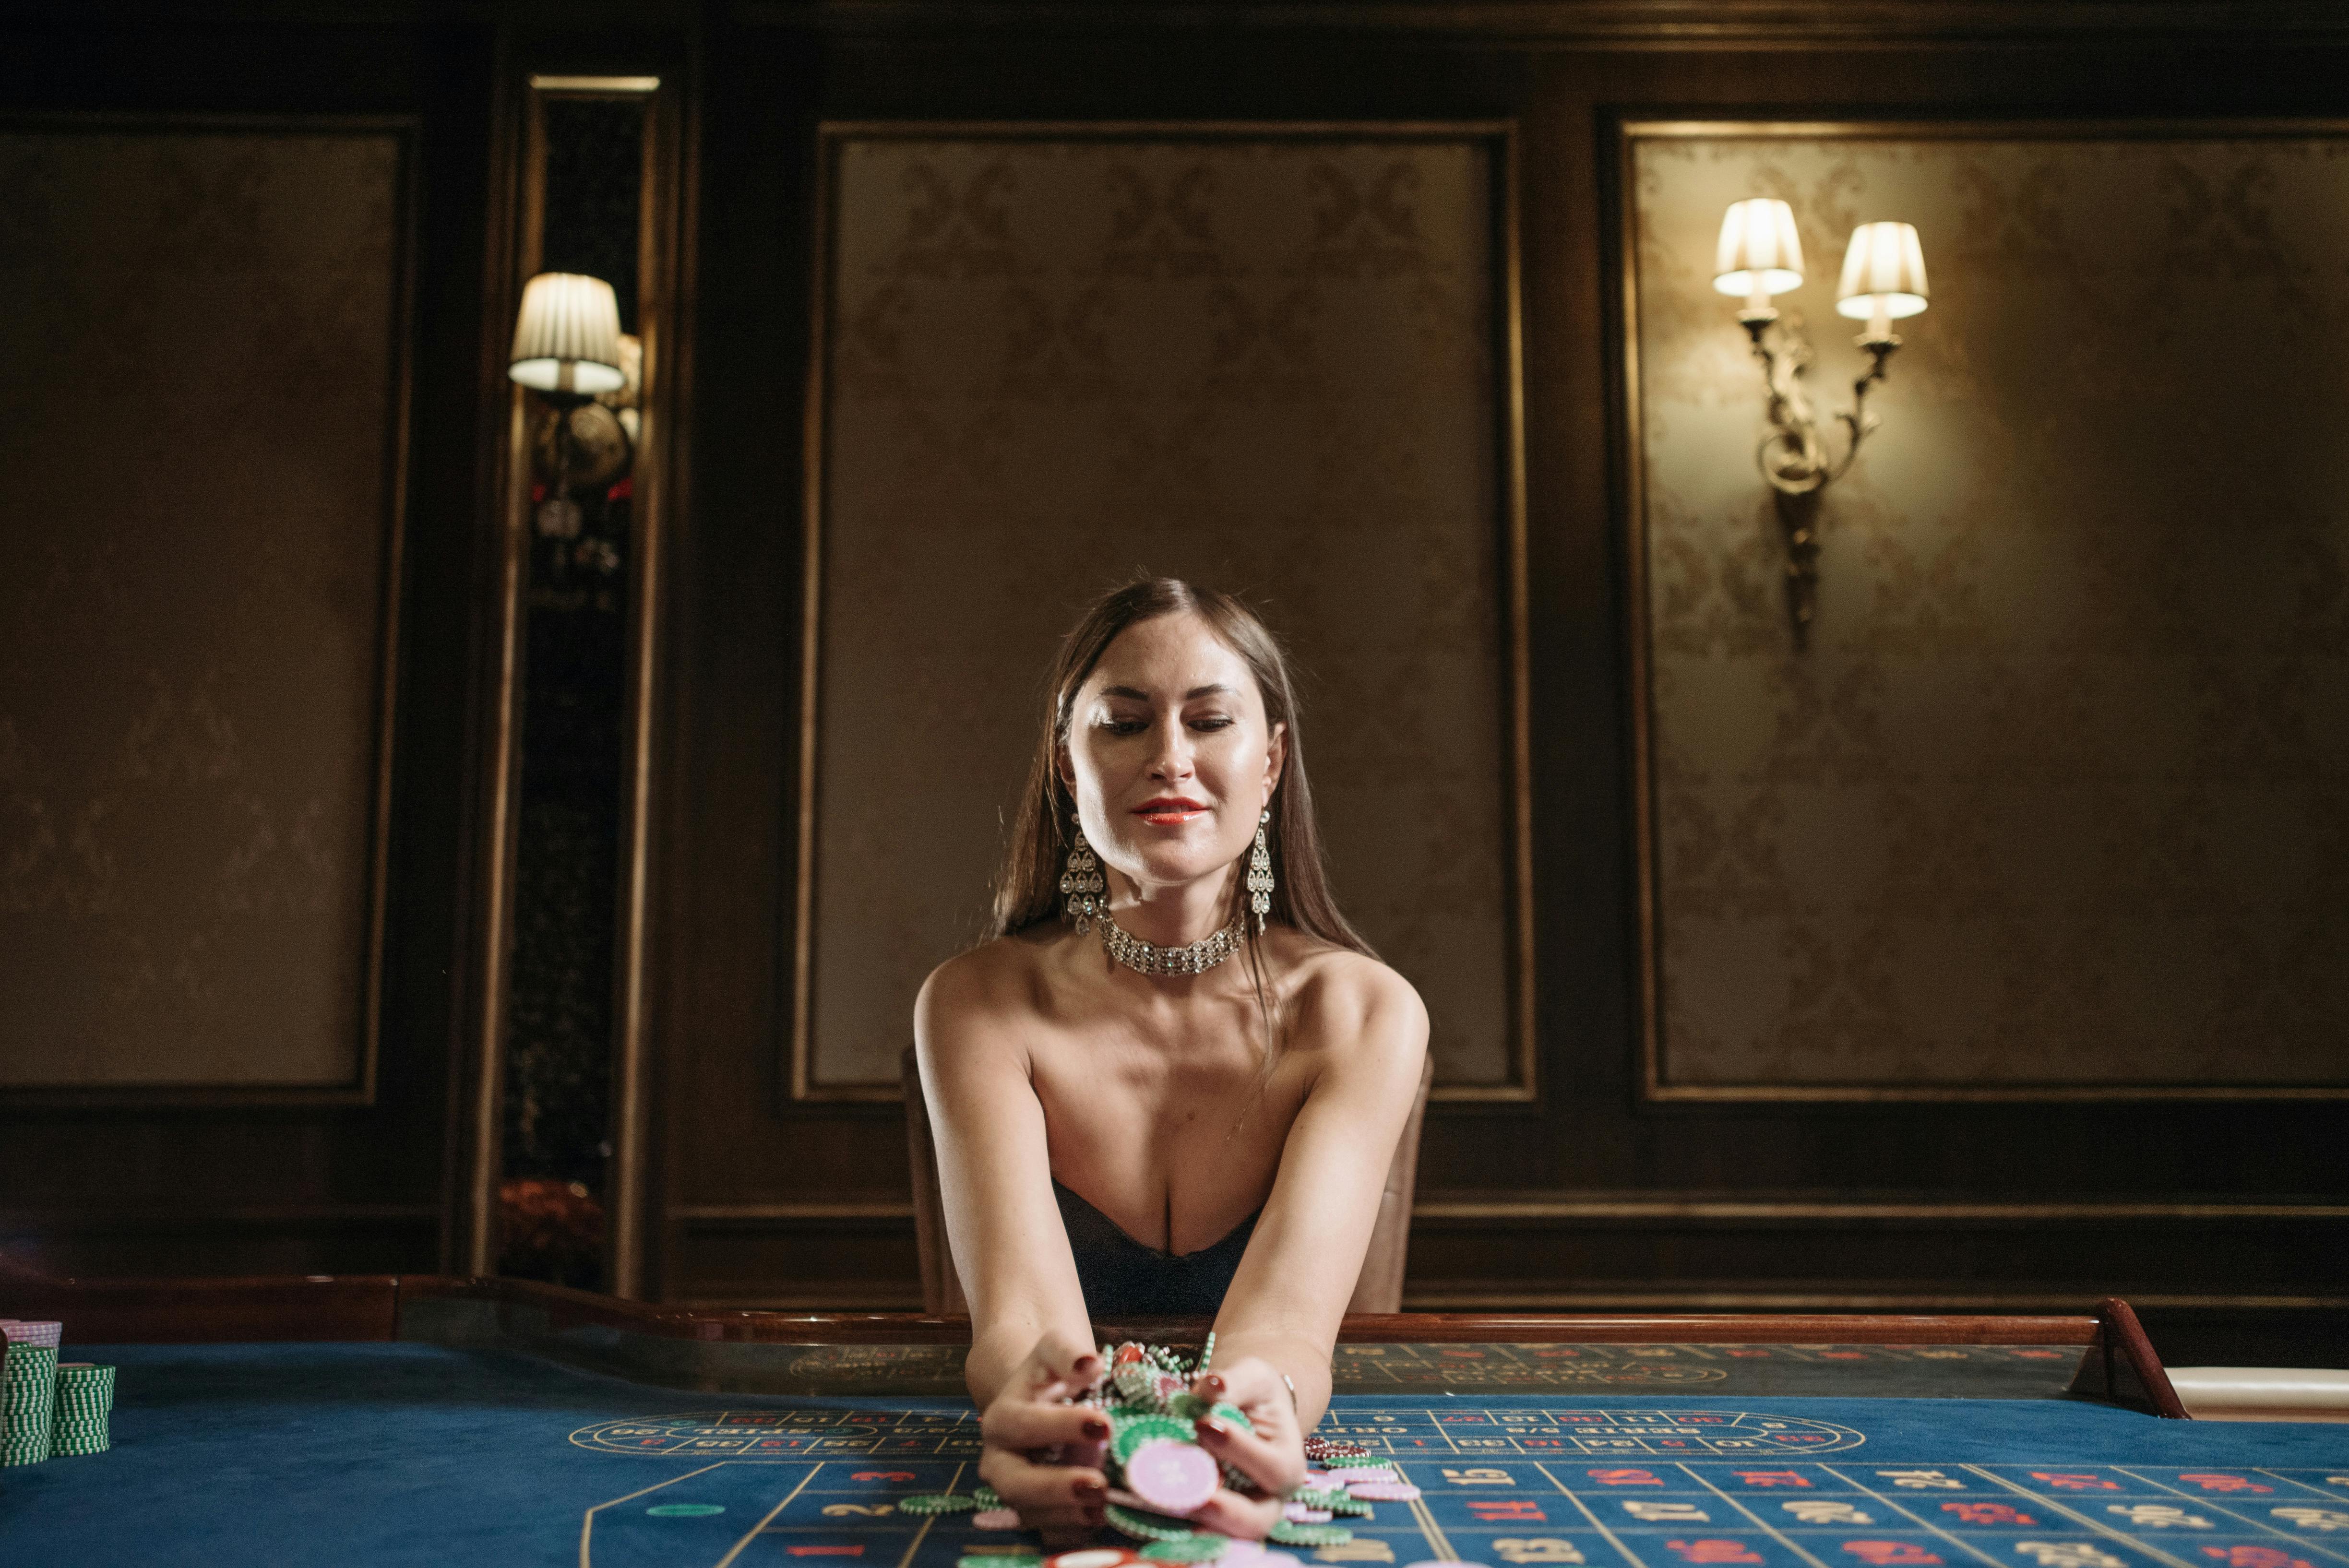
pixel 1378 1288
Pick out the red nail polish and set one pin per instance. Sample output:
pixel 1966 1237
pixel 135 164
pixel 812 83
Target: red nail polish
pixel 1096 1429
pixel 1214 1384
pixel 1208 1426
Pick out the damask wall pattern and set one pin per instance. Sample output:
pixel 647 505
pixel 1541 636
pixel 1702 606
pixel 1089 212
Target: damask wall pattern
pixel 1268 363
pixel 197 411
pixel 2056 796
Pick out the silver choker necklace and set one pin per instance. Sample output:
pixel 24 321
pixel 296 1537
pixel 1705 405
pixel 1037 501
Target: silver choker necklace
pixel 1148 958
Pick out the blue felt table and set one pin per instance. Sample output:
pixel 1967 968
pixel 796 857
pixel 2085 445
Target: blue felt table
pixel 403 1453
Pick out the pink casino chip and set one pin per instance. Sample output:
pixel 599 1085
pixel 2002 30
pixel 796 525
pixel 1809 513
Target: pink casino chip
pixel 1173 1477
pixel 1384 1491
pixel 1298 1513
pixel 1366 1475
pixel 1445 1563
pixel 1093 1557
pixel 995 1519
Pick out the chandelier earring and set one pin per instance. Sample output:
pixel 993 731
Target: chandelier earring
pixel 1260 874
pixel 1081 884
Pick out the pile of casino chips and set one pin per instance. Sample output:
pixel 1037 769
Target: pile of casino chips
pixel 46 1409
pixel 1158 1474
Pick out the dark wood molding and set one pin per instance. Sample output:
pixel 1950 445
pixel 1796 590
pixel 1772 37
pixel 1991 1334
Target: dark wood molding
pixel 1623 24
pixel 174 1310
pixel 289 1218
pixel 2124 1341
pixel 1803 1296
pixel 1476 1210
pixel 206 1311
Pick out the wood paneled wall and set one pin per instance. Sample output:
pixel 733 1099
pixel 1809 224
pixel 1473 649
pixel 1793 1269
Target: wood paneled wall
pixel 1591 1195
pixel 224 1187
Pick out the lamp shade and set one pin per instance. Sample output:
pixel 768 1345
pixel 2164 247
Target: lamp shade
pixel 1759 253
pixel 1883 273
pixel 567 335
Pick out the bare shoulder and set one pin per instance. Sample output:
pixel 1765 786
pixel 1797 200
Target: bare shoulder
pixel 1353 1005
pixel 976 996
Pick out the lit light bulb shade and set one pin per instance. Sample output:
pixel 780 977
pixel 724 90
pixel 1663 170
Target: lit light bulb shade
pixel 1884 269
pixel 1758 247
pixel 567 335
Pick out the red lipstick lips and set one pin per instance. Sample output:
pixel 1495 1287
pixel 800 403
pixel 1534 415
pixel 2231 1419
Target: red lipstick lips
pixel 1171 811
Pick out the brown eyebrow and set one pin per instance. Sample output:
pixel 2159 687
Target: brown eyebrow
pixel 1194 694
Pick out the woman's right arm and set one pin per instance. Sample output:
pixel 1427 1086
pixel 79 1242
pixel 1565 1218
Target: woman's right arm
pixel 995 1171
pixel 1032 1342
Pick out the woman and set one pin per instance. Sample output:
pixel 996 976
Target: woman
pixel 1174 1078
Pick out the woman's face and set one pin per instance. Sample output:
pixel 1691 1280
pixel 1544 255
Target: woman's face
pixel 1169 754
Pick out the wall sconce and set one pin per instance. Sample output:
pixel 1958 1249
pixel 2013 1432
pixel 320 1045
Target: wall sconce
pixel 1883 280
pixel 568 348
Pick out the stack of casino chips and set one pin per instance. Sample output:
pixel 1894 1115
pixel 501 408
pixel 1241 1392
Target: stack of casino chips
pixel 49 1408
pixel 28 1391
pixel 1158 1475
pixel 85 1401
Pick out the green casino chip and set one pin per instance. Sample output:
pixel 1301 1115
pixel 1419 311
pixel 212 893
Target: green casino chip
pixel 989 1560
pixel 1357 1461
pixel 937 1502
pixel 986 1496
pixel 1146 1526
pixel 1132 1431
pixel 1226 1410
pixel 1197 1547
pixel 1289 1533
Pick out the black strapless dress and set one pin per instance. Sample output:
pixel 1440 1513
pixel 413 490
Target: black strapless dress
pixel 1123 1278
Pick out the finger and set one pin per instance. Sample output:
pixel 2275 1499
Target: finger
pixel 1273 1466
pixel 1058 1359
pixel 1045 1495
pixel 1017 1424
pixel 1229 1513
pixel 1257 1390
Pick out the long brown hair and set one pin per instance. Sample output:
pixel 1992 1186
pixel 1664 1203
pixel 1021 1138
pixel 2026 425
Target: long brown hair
pixel 1028 892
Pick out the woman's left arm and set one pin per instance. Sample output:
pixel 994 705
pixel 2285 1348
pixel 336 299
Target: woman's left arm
pixel 1280 1317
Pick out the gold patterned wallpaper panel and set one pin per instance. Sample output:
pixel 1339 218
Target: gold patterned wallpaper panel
pixel 2060 793
pixel 1265 364
pixel 197 406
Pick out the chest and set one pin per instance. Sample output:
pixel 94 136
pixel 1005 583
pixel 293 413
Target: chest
pixel 1170 1121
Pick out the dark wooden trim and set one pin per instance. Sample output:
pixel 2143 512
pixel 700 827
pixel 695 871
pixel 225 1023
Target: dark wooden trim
pixel 337 1219
pixel 1622 24
pixel 2124 1339
pixel 364 1307
pixel 207 1310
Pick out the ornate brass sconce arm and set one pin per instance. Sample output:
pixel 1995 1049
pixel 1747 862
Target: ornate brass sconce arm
pixel 1794 456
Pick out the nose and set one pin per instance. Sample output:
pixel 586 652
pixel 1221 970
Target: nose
pixel 1170 763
